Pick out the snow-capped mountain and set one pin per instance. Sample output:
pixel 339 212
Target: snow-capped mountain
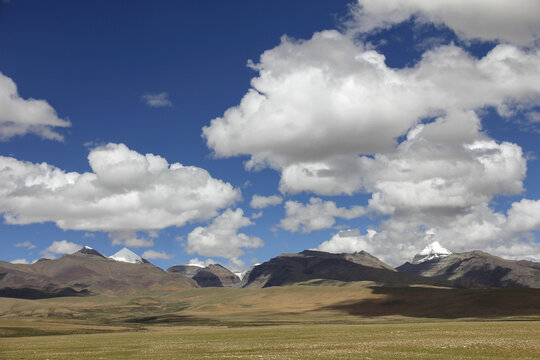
pixel 89 251
pixel 126 255
pixel 430 252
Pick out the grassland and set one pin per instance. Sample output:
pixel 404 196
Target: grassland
pixel 354 320
pixel 448 340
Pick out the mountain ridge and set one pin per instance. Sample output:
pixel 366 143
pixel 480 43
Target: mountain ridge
pixel 94 273
pixel 478 268
pixel 287 269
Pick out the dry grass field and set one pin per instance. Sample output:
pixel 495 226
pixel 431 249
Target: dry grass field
pixel 356 321
pixel 437 340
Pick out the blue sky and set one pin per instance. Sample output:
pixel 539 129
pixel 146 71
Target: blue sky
pixel 373 128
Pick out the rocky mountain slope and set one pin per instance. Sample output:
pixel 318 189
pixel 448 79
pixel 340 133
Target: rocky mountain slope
pixel 477 268
pixel 85 272
pixel 308 265
pixel 189 270
pixel 213 275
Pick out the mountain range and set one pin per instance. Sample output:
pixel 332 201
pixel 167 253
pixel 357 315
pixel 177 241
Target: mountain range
pixel 88 272
pixel 83 273
pixel 477 269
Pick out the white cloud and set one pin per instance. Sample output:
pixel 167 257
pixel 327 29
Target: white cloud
pixel 349 241
pixel 19 261
pixel 19 116
pixel 60 247
pixel 257 215
pixel 126 192
pixel 196 261
pixel 334 119
pixel 516 21
pixel 152 254
pixel 316 215
pixel 423 175
pixel 221 237
pixel 403 235
pixel 156 100
pixel 524 215
pixel 27 244
pixel 260 202
pixel 329 98
pixel 534 117
pixel 130 239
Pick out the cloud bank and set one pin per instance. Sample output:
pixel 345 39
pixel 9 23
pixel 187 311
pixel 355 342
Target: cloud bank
pixel 488 20
pixel 334 119
pixel 125 192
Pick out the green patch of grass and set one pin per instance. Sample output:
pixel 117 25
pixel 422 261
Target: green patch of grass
pixel 24 331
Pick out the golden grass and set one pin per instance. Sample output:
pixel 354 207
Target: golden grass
pixel 446 340
pixel 280 305
pixel 349 321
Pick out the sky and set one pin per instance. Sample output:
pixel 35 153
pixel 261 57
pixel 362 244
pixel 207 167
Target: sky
pixel 233 131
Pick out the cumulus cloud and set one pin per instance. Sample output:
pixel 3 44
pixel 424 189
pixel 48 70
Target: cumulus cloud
pixel 349 241
pixel 515 21
pixel 156 100
pixel 221 237
pixel 260 202
pixel 425 175
pixel 20 261
pixel 153 254
pixel 329 98
pixel 333 118
pixel 316 215
pixel 19 116
pixel 524 215
pixel 60 247
pixel 26 244
pixel 126 192
pixel 434 190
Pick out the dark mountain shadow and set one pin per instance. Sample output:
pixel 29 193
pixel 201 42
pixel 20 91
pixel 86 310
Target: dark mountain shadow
pixel 206 278
pixel 495 277
pixel 46 293
pixel 445 303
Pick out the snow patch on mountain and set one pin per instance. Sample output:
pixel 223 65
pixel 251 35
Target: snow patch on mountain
pixel 196 265
pixel 126 255
pixel 430 252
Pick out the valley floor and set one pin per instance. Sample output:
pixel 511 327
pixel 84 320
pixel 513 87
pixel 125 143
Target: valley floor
pixel 313 320
pixel 434 340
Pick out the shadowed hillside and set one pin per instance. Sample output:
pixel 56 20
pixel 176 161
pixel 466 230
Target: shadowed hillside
pixel 445 303
pixel 477 268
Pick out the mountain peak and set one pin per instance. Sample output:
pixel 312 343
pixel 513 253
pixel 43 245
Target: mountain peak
pixel 430 252
pixel 126 255
pixel 89 251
